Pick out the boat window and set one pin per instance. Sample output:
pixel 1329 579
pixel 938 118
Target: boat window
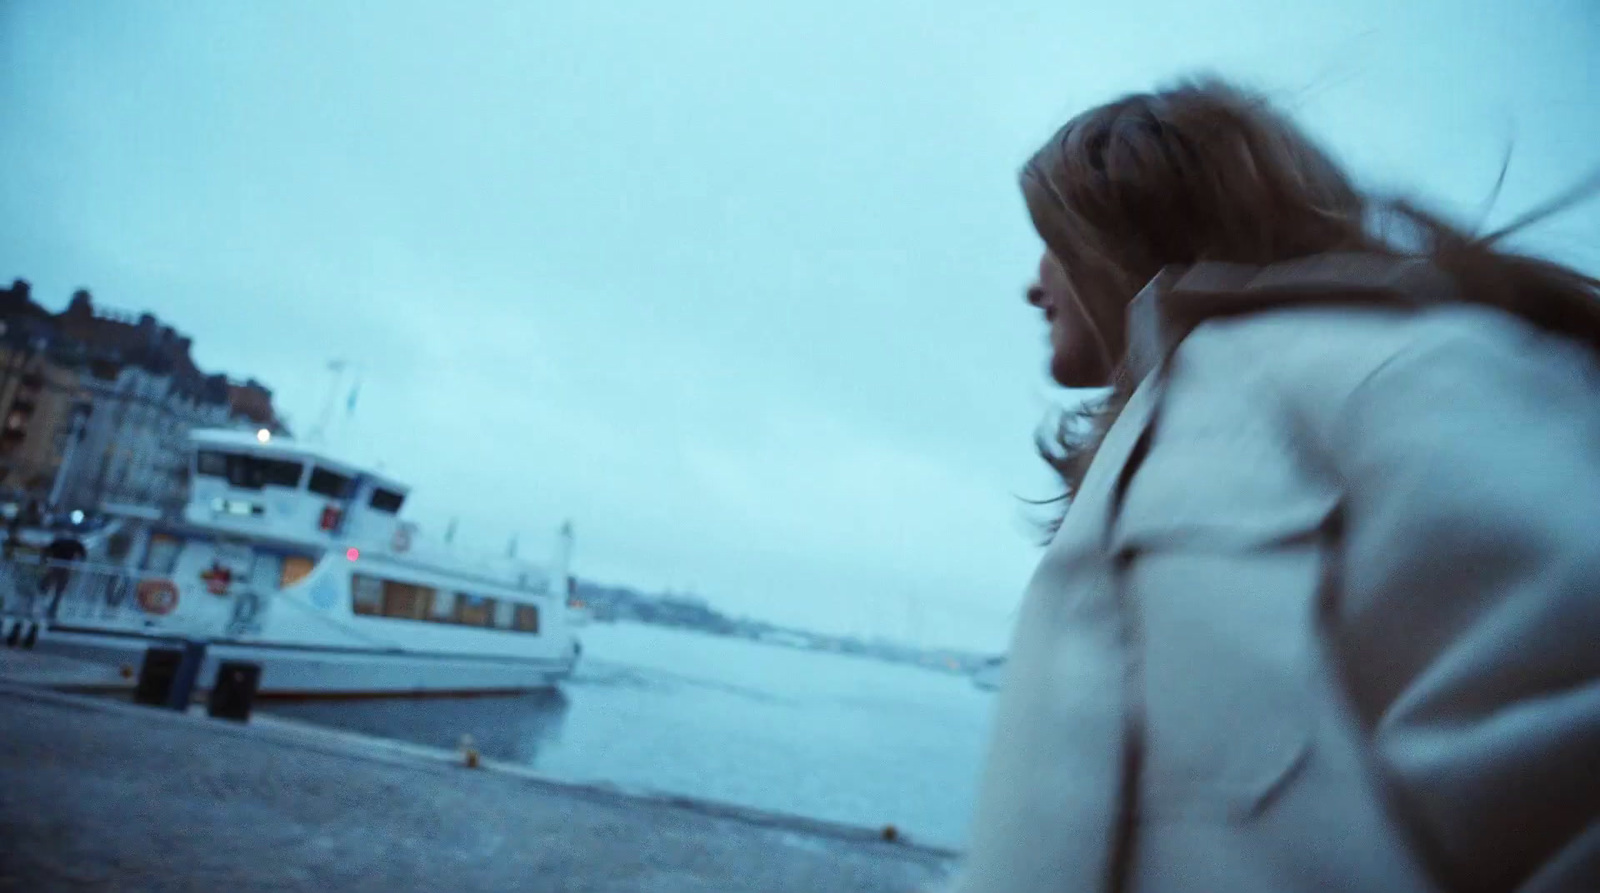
pixel 281 472
pixel 366 594
pixel 474 610
pixel 249 472
pixel 406 601
pixel 162 555
pixel 527 619
pixel 387 500
pixel 118 545
pixel 329 483
pixel 503 612
pixel 444 608
pixel 409 601
pixel 212 464
pixel 295 569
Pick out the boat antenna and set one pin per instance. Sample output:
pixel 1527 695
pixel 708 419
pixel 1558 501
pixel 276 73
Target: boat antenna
pixel 319 431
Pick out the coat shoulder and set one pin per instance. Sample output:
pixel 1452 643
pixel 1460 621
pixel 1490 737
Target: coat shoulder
pixel 1317 357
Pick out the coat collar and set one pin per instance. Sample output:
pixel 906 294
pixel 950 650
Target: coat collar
pixel 1180 298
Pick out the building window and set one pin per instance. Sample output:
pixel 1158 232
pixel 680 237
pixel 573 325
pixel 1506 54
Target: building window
pixel 387 501
pixel 527 619
pixel 366 595
pixel 329 483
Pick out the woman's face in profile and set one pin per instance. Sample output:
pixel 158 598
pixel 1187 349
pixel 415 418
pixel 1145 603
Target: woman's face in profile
pixel 1076 359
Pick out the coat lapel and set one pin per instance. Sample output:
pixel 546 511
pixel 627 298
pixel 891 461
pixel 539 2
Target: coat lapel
pixel 1051 782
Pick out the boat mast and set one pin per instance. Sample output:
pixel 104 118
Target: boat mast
pixel 562 564
pixel 319 432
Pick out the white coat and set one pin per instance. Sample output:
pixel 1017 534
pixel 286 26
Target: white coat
pixel 1338 625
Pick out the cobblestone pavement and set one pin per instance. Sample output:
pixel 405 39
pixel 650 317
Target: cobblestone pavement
pixel 99 796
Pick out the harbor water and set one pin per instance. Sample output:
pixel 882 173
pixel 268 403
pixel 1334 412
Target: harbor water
pixel 815 734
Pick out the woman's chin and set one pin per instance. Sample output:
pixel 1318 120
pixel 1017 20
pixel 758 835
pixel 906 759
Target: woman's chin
pixel 1078 371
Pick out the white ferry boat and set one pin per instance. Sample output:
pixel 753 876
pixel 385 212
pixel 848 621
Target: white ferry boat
pixel 292 559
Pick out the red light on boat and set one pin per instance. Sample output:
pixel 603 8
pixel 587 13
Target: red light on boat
pixel 352 554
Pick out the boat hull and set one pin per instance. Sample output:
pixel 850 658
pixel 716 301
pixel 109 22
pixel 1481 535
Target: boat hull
pixel 300 671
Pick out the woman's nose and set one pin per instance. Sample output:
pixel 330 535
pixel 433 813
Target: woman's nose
pixel 1036 296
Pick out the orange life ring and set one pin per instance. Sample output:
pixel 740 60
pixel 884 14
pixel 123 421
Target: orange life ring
pixel 157 596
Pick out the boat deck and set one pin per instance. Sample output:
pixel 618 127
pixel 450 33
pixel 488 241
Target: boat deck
pixel 101 795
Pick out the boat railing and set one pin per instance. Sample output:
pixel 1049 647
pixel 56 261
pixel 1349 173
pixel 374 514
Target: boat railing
pixel 41 589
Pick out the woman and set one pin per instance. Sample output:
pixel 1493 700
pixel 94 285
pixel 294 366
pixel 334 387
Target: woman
pixel 1324 613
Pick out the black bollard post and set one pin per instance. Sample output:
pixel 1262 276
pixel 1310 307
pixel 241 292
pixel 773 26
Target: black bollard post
pixel 234 691
pixel 156 674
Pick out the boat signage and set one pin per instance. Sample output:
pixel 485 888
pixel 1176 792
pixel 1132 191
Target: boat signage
pixel 241 507
pixel 218 577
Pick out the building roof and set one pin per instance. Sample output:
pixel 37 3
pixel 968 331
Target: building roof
pixel 106 341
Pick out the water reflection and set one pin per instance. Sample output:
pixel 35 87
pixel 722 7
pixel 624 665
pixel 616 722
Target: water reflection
pixel 823 735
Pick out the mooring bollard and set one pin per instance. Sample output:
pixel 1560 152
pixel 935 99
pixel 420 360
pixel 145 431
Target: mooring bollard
pixel 168 675
pixel 156 672
pixel 234 691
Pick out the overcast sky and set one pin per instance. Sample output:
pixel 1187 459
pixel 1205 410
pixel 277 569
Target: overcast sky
pixel 733 285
